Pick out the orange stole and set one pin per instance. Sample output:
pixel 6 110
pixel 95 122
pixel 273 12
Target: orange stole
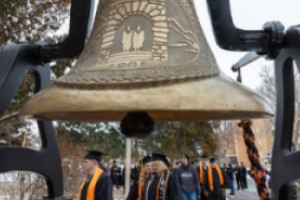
pixel 165 186
pixel 210 177
pixel 140 187
pixel 201 174
pixel 91 188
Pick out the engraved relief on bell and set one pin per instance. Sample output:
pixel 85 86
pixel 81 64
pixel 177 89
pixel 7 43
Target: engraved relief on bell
pixel 133 41
pixel 149 37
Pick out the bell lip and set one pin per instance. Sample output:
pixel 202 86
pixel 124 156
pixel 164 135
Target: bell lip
pixel 182 101
pixel 155 115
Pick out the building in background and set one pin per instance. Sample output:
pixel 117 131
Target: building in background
pixel 233 149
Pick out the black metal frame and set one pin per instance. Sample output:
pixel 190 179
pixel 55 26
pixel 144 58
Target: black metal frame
pixel 285 163
pixel 72 46
pixel 16 60
pixel 265 42
pixel 284 48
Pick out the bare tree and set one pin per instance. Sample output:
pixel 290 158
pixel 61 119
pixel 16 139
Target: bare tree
pixel 268 90
pixel 221 128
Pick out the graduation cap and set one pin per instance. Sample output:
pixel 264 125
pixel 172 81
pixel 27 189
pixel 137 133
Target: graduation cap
pixel 146 159
pixel 160 157
pixel 93 155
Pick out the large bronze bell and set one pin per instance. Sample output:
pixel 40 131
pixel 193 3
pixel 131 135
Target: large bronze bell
pixel 146 56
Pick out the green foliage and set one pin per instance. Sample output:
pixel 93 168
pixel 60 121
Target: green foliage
pixel 104 137
pixel 173 138
pixel 170 138
pixel 23 20
pixel 25 90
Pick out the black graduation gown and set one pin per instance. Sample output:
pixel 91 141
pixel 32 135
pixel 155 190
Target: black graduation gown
pixel 133 193
pixel 103 189
pixel 203 197
pixel 243 177
pixel 173 190
pixel 135 173
pixel 216 194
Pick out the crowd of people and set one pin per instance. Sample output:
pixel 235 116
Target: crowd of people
pixel 157 179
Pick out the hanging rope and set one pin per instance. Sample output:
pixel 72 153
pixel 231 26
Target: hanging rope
pixel 257 172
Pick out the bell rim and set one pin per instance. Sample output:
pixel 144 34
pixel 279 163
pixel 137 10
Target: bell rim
pixel 175 98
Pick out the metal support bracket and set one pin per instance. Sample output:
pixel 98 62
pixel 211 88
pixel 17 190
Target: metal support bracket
pixel 285 49
pixel 15 62
pixel 73 45
pixel 285 163
pixel 265 42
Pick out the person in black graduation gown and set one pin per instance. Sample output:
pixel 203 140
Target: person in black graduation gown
pixel 214 184
pixel 163 185
pixel 97 185
pixel 134 175
pixel 145 175
pixel 115 172
pixel 243 176
pixel 202 170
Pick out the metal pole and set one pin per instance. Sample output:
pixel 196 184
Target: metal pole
pixel 127 166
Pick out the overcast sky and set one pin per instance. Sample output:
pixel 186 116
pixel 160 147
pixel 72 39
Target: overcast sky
pixel 249 14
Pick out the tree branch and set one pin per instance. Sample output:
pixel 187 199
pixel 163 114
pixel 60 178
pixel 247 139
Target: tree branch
pixel 8 117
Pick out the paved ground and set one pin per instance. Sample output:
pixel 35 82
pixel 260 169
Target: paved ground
pixel 118 194
pixel 248 194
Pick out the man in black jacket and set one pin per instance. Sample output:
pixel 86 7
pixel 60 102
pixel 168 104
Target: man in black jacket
pixel 230 180
pixel 243 176
pixel 115 172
